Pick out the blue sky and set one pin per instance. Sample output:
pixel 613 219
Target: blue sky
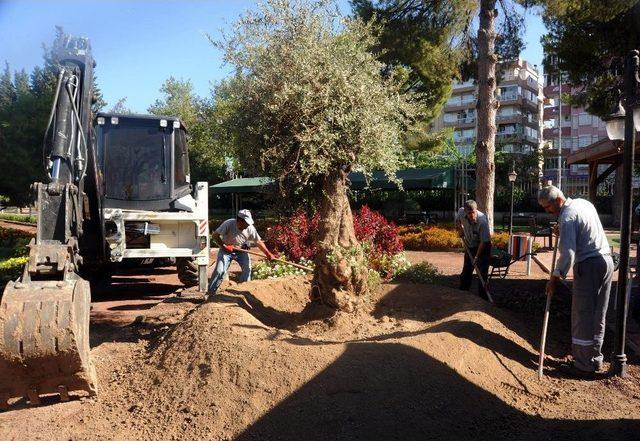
pixel 138 44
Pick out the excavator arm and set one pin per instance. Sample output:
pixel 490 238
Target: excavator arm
pixel 44 316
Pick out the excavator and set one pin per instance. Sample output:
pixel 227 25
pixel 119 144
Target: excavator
pixel 118 190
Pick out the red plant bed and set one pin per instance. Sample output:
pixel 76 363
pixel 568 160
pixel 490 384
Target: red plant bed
pixel 296 236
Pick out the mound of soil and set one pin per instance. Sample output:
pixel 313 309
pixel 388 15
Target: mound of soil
pixel 260 362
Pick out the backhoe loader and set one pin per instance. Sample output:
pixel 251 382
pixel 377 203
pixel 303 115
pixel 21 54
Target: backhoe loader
pixel 118 188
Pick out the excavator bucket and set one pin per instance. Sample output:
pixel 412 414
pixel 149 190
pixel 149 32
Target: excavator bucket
pixel 44 340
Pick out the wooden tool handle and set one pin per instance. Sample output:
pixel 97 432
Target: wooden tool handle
pixel 545 321
pixel 255 253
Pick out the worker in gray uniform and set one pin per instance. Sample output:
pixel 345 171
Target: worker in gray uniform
pixel 473 228
pixel 583 245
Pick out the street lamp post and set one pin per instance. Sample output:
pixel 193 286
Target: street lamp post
pixel 512 178
pixel 622 125
pixel 560 134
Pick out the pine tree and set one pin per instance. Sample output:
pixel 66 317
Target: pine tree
pixel 452 51
pixel 589 38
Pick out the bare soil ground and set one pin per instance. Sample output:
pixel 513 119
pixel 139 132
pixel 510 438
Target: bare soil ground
pixel 259 362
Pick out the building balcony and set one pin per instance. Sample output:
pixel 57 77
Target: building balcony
pixel 457 106
pixel 509 137
pixel 467 86
pixel 464 141
pixel 467 123
pixel 553 132
pixel 509 119
pixel 508 97
pixel 553 153
pixel 552 112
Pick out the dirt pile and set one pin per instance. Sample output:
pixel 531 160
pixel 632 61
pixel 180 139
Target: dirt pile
pixel 422 362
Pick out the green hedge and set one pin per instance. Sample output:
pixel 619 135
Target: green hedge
pixel 10 269
pixel 18 217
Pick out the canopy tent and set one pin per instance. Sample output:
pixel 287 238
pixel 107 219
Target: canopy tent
pixel 411 179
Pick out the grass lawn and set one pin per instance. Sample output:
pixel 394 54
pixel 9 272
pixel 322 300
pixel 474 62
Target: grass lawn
pixel 614 240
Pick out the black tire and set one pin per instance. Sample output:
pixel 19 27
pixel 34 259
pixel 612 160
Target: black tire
pixel 187 271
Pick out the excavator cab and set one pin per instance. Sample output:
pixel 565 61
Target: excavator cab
pixel 143 160
pixel 149 207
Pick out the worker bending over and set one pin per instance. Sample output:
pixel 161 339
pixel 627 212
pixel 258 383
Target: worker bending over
pixel 583 245
pixel 232 234
pixel 473 228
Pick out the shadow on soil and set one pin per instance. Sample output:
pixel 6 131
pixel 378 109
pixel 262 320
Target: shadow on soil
pixel 518 304
pixel 413 397
pixel 128 284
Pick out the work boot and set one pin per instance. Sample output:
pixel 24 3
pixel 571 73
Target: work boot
pixel 570 370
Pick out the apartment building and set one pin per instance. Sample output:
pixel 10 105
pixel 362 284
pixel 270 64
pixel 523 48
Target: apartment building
pixel 572 128
pixel 519 117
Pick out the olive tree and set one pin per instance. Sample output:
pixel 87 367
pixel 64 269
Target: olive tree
pixel 308 104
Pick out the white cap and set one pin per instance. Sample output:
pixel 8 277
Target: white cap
pixel 246 215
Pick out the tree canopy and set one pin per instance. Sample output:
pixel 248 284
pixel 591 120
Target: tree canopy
pixel 308 97
pixel 207 152
pixel 310 102
pixel 25 104
pixel 589 39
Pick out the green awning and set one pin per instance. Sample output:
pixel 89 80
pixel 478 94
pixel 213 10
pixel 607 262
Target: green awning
pixel 244 185
pixel 412 179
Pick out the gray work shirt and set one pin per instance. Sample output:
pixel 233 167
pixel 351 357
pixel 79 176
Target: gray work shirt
pixel 231 235
pixel 581 235
pixel 474 232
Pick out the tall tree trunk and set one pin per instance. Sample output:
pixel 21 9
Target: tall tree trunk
pixel 341 272
pixel 486 109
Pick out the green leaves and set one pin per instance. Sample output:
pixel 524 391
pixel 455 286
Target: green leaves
pixel 309 97
pixel 207 150
pixel 589 38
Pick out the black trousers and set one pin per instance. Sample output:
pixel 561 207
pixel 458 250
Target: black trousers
pixel 466 277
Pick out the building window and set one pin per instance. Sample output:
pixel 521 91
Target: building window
pixel 551 163
pixel 465 149
pixel 584 119
pixel 566 143
pixel 584 140
pixel 468 98
pixel 509 129
pixel 450 117
pixel 528 95
pixel 532 133
pixel 509 93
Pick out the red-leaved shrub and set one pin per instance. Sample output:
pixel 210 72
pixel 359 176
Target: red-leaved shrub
pixel 372 227
pixel 295 236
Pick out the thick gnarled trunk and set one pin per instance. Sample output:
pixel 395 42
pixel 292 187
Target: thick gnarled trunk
pixel 341 272
pixel 486 110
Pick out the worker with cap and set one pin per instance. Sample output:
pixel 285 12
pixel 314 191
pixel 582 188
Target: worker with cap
pixel 230 236
pixel 583 245
pixel 473 228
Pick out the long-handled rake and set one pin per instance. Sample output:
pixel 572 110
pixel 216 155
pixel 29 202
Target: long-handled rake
pixel 478 272
pixel 545 322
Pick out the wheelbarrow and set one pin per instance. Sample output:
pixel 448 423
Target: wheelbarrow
pixel 501 260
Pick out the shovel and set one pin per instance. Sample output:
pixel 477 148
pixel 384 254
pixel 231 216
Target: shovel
pixel 484 283
pixel 545 322
pixel 297 265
